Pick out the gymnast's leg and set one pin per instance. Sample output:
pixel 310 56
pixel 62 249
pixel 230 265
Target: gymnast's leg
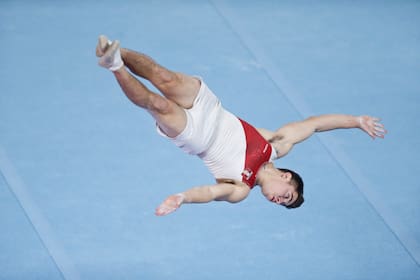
pixel 178 87
pixel 167 113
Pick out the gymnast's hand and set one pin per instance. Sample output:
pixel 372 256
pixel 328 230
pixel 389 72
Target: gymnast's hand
pixel 372 126
pixel 172 203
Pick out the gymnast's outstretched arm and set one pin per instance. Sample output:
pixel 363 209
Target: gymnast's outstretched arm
pixel 287 136
pixel 229 192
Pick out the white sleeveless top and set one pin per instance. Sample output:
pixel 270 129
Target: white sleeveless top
pixel 215 135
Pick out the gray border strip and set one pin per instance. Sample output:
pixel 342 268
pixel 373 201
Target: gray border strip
pixel 37 219
pixel 400 230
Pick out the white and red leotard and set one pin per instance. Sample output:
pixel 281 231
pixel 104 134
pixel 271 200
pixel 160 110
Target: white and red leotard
pixel 229 147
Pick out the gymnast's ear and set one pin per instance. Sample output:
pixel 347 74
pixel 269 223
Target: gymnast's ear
pixel 286 175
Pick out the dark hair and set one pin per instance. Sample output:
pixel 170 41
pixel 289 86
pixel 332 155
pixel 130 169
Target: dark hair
pixel 298 183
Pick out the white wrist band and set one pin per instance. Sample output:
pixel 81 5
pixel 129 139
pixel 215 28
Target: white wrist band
pixel 182 196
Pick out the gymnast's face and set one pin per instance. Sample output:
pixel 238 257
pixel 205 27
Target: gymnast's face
pixel 279 189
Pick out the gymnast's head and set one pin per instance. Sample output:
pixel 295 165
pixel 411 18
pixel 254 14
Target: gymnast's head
pixel 283 187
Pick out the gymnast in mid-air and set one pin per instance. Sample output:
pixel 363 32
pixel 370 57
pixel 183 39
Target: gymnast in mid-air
pixel 238 155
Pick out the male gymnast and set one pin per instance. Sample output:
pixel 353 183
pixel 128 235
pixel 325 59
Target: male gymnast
pixel 238 155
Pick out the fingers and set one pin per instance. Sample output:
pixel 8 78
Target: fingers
pixel 380 131
pixel 378 128
pixel 171 204
pixel 163 210
pixel 373 127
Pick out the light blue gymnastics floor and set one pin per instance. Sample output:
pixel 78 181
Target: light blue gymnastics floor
pixel 82 169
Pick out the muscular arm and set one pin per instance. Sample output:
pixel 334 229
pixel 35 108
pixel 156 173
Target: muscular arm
pixel 220 192
pixel 284 138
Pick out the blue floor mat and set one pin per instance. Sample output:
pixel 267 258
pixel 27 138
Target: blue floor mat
pixel 82 169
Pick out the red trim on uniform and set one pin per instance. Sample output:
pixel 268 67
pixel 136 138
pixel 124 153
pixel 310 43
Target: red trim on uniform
pixel 258 152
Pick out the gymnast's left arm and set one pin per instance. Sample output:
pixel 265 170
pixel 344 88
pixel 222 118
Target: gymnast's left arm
pixel 230 192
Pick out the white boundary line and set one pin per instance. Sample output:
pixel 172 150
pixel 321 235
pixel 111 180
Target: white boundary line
pixel 400 230
pixel 37 219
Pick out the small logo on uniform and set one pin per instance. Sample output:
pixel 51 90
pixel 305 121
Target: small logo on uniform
pixel 265 148
pixel 247 173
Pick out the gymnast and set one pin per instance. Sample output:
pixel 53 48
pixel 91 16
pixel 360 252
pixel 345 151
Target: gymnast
pixel 238 155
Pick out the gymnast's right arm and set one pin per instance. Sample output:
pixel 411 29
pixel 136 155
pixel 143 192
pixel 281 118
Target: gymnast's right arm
pixel 220 192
